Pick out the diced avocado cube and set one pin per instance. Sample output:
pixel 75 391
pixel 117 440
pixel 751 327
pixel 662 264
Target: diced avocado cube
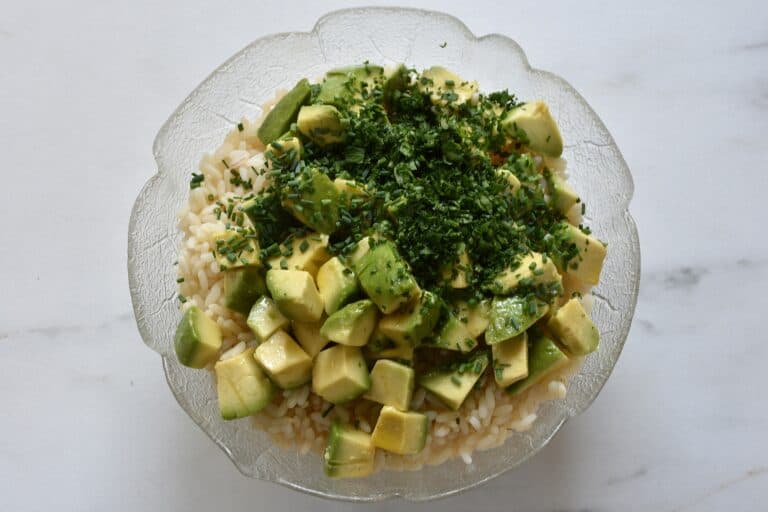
pixel 544 357
pixel 452 385
pixel 279 119
pixel 306 253
pixel 361 249
pixel 284 361
pixel 295 294
pixel 533 269
pixel 349 453
pixel 313 200
pixel 385 277
pixel 395 79
pixel 381 347
pixel 457 273
pixel 475 317
pixel 404 433
pixel 411 326
pixel 198 339
pixel 573 328
pixel 453 335
pixel 351 193
pixel 351 325
pixel 510 360
pixel 391 384
pixel 340 374
pixel 336 284
pixel 309 337
pixel 242 386
pixel 563 197
pixel 321 124
pixel 588 264
pixel 534 125
pixel 234 250
pixel 288 144
pixel 343 84
pixel 446 87
pixel 512 181
pixel 511 316
pixel 242 288
pixel 264 319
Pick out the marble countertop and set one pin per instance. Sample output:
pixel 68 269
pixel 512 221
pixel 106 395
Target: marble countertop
pixel 88 422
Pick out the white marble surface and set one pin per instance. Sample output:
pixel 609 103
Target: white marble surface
pixel 87 421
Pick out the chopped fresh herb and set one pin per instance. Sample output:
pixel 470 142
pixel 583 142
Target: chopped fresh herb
pixel 240 127
pixel 196 181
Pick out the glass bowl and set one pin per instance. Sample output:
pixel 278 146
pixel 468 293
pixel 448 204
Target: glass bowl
pixel 386 36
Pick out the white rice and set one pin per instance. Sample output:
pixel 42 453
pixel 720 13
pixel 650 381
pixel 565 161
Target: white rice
pixel 299 419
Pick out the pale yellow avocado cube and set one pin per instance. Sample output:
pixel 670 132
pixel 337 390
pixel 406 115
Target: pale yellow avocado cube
pixel 381 347
pixel 533 269
pixel 562 195
pixel 234 250
pixel 307 253
pixel 572 326
pixel 510 360
pixel 309 337
pixel 284 361
pixel 589 263
pixel 243 388
pixel 340 374
pixel 404 433
pixel 295 294
pixel 535 120
pixel 264 319
pixel 336 284
pixel 446 87
pixel 475 318
pixel 349 453
pixel 514 183
pixel 351 325
pixel 391 384
pixel 362 248
pixel 457 273
pixel 350 187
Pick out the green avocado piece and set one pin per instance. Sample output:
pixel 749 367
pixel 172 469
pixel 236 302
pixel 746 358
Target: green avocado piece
pixel 313 200
pixel 336 284
pixel 587 266
pixel 321 124
pixel 340 374
pixel 391 384
pixel 343 83
pixel 279 119
pixel 533 123
pixel 242 386
pixel 295 294
pixel 385 277
pixel 265 318
pixel 198 339
pixel 351 325
pixel 395 79
pixel 349 453
pixel 284 361
pixel 381 347
pixel 453 335
pixel 446 87
pixel 574 329
pixel 562 196
pixel 287 144
pixel 452 385
pixel 411 326
pixel 396 431
pixel 242 288
pixel 544 357
pixel 511 316
pixel 533 269
pixel 510 360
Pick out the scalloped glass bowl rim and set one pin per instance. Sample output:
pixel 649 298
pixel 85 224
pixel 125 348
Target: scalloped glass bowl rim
pixel 135 275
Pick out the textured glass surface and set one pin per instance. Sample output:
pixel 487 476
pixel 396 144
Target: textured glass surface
pixel 386 36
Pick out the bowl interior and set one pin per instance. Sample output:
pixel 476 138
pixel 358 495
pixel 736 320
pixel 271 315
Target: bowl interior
pixel 382 35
